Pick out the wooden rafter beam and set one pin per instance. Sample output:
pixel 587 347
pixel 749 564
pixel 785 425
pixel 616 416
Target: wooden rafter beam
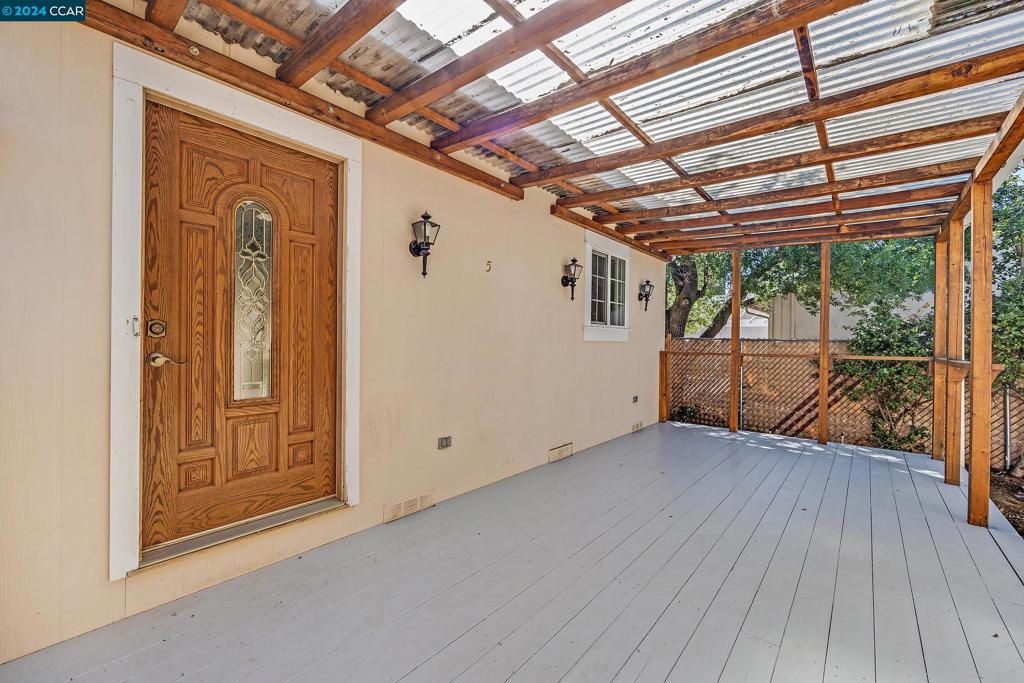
pixel 671 241
pixel 507 11
pixel 882 230
pixel 766 20
pixel 939 79
pixel 339 32
pixel 552 22
pixel 257 23
pixel 588 224
pixel 149 37
pixel 665 229
pixel 1008 138
pixel 165 13
pixel 802 37
pixel 867 182
pixel 957 130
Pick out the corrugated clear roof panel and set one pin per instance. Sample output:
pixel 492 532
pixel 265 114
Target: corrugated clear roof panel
pixel 740 106
pixel 801 139
pixel 910 158
pixel 869 27
pixel 971 41
pixel 738 72
pixel 530 76
pixel 668 199
pixel 905 186
pixel 460 25
pixel 641 26
pixel 596 129
pixel 767 183
pixel 648 172
pixel 954 105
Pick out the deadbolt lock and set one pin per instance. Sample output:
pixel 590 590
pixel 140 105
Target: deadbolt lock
pixel 156 328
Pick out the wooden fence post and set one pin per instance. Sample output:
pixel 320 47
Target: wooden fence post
pixel 734 347
pixel 981 353
pixel 939 352
pixel 955 351
pixel 663 386
pixel 824 366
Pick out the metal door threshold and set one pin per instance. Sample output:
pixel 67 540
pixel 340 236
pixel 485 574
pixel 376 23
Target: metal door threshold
pixel 191 544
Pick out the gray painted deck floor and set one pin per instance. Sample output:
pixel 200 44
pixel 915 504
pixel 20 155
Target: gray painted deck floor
pixel 679 553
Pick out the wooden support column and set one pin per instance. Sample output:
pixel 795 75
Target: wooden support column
pixel 939 352
pixel 981 353
pixel 734 348
pixel 663 386
pixel 954 403
pixel 823 339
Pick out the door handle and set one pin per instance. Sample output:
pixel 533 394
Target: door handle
pixel 156 359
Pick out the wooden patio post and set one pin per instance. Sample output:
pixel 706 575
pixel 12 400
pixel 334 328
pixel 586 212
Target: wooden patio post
pixel 939 351
pixel 955 351
pixel 663 386
pixel 734 346
pixel 823 341
pixel 981 353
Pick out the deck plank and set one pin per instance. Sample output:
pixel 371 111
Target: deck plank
pixel 751 658
pixel 805 639
pixel 850 655
pixel 680 553
pixel 899 657
pixel 995 656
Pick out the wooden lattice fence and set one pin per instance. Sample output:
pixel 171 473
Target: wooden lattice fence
pixel 779 393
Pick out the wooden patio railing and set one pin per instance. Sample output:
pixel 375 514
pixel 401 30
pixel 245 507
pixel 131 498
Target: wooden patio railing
pixel 779 387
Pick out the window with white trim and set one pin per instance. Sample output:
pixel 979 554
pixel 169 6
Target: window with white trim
pixel 606 316
pixel 607 289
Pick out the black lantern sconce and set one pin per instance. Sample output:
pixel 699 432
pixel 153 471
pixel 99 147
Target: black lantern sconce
pixel 572 271
pixel 424 237
pixel 646 289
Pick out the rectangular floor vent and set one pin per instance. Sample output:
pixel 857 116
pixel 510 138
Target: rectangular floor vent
pixel 404 508
pixel 560 452
pixel 637 426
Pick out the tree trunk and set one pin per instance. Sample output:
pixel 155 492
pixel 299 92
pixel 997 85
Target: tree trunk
pixel 719 321
pixel 684 276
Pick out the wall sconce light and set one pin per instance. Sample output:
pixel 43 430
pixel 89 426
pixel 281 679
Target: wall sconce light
pixel 572 271
pixel 646 289
pixel 424 237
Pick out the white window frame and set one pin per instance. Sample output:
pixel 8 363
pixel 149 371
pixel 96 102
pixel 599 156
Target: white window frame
pixel 600 332
pixel 136 74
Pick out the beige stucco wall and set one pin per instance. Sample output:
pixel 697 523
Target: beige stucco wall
pixel 495 359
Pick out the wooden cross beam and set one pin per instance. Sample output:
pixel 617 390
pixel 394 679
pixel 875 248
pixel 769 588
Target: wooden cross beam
pixel 874 180
pixel 919 137
pixel 939 79
pixel 881 230
pixel 354 20
pixel 588 224
pixel 149 37
pixel 672 229
pixel 767 20
pixel 556 20
pixel 682 239
pixel 165 13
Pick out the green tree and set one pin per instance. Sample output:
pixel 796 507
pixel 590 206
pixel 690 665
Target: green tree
pixel 893 392
pixel 1008 279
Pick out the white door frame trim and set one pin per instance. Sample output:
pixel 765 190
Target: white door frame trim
pixel 135 74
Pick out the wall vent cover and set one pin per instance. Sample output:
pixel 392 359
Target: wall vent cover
pixel 560 452
pixel 404 508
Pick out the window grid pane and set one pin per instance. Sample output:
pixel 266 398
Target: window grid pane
pixel 598 288
pixel 617 300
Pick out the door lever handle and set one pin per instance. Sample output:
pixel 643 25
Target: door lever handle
pixel 156 359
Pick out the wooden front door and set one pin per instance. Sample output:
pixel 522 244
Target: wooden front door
pixel 239 328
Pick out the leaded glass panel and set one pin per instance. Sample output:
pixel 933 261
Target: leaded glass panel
pixel 254 252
